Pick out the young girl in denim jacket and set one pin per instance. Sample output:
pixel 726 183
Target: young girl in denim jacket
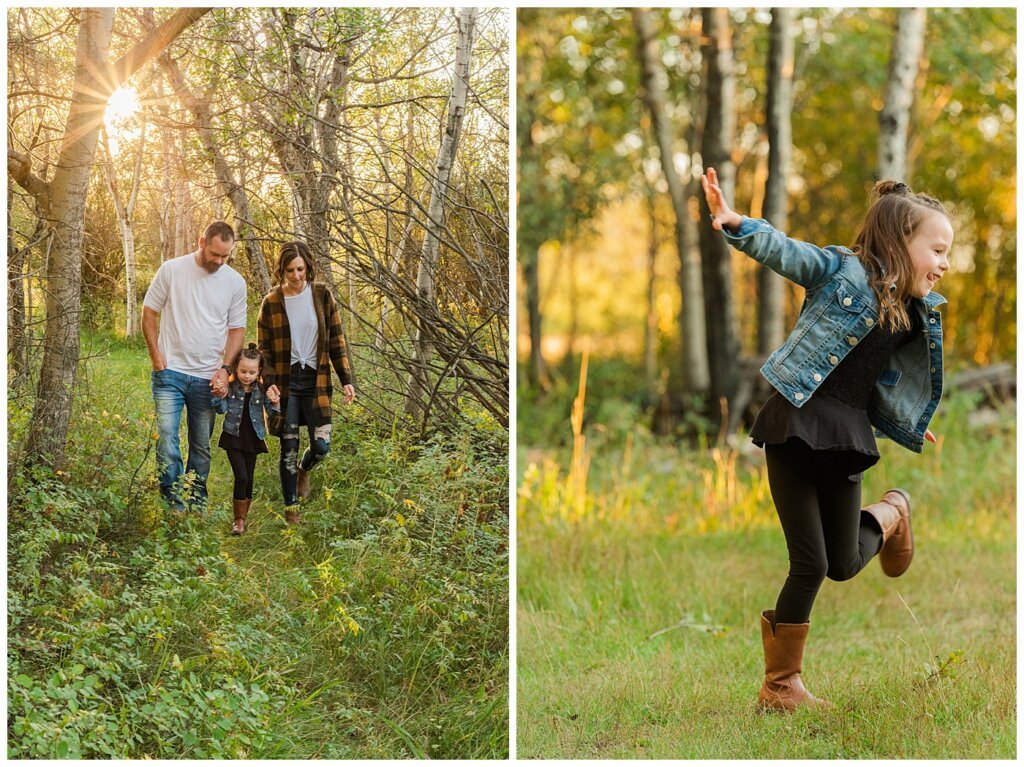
pixel 865 355
pixel 244 427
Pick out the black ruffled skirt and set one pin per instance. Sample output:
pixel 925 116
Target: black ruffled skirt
pixel 824 423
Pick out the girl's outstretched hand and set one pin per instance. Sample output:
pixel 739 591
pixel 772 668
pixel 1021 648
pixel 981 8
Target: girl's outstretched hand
pixel 721 213
pixel 930 437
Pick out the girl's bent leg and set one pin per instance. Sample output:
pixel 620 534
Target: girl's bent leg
pixel 792 482
pixel 852 538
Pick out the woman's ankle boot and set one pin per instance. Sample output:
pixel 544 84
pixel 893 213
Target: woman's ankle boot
pixel 893 516
pixel 782 689
pixel 241 509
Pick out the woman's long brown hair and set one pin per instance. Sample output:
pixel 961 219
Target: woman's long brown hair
pixel 890 223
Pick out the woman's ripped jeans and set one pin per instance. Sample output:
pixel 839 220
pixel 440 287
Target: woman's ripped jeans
pixel 301 392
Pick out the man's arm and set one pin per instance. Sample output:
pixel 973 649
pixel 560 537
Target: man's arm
pixel 236 337
pixel 151 332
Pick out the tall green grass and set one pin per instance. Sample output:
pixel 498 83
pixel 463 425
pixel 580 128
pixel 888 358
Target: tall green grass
pixel 638 619
pixel 378 628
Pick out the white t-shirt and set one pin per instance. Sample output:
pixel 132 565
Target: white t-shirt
pixel 196 310
pixel 303 325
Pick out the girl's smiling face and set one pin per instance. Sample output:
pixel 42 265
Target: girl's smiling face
pixel 247 372
pixel 929 252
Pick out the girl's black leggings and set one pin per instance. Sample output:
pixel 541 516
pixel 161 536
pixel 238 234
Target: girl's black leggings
pixel 243 466
pixel 827 534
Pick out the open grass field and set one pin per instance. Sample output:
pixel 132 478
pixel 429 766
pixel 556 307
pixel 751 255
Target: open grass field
pixel 639 601
pixel 376 629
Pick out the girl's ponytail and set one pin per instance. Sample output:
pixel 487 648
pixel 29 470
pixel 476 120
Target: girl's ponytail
pixel 883 188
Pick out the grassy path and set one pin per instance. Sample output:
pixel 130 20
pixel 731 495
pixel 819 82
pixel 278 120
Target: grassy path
pixel 375 629
pixel 638 623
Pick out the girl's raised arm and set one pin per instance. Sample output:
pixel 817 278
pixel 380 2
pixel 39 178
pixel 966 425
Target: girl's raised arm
pixel 803 263
pixel 721 213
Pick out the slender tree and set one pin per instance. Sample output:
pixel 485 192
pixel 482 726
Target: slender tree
pixel 695 349
pixel 771 286
pixel 716 255
pixel 894 119
pixel 428 265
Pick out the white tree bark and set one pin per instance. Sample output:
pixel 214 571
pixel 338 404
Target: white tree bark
pixel 125 210
pixel 435 209
pixel 894 120
pixel 695 351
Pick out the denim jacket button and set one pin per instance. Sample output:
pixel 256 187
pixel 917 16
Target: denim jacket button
pixel 817 376
pixel 932 320
pixel 833 359
pixel 847 301
pixel 932 344
pixel 799 395
pixel 869 322
pixel 852 340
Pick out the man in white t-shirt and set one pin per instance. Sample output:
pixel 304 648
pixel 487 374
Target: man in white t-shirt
pixel 201 304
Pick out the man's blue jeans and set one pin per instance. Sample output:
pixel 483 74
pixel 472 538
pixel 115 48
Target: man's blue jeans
pixel 173 391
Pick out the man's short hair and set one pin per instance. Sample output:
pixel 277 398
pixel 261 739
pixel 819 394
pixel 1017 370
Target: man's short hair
pixel 221 230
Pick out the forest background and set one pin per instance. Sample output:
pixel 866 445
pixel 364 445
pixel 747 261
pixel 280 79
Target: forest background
pixel 379 627
pixel 647 540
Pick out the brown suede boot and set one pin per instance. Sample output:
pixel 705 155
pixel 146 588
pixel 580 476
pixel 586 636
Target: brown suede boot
pixel 893 515
pixel 782 689
pixel 302 483
pixel 291 514
pixel 241 512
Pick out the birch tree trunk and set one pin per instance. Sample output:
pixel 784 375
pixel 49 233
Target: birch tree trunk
pixel 771 286
pixel 651 326
pixel 894 119
pixel 695 351
pixel 124 212
pixel 716 255
pixel 61 203
pixel 17 342
pixel 417 388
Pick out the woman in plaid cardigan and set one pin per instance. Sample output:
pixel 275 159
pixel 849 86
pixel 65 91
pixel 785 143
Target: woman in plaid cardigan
pixel 300 336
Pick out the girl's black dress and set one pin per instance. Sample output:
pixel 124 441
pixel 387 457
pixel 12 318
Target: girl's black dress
pixel 835 418
pixel 246 441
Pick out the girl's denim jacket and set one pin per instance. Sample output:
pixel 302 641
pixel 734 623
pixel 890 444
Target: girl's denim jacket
pixel 839 309
pixel 231 406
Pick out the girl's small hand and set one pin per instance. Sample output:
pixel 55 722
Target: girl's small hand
pixel 350 393
pixel 930 437
pixel 272 396
pixel 721 213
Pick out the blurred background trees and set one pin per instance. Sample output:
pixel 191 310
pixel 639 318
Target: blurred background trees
pixel 813 127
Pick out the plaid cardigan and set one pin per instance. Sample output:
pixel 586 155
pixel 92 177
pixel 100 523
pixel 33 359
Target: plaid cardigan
pixel 275 342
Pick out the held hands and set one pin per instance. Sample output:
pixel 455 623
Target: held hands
pixel 350 393
pixel 274 395
pixel 219 382
pixel 721 214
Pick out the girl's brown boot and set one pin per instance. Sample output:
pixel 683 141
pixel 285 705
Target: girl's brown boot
pixel 241 512
pixel 782 689
pixel 893 516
